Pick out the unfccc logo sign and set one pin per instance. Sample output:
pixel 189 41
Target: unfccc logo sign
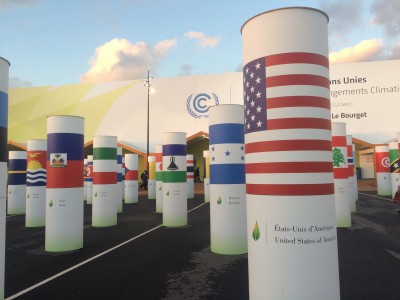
pixel 385 162
pixel 198 105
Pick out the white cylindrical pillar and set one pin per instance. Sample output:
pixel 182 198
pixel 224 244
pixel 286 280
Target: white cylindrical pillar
pixel 84 180
pixel 394 167
pixel 131 178
pixel 289 181
pixel 350 166
pixel 382 165
pixel 353 147
pixel 174 179
pixel 228 225
pixel 343 194
pixel 4 69
pixel 159 180
pixel 119 189
pixel 206 177
pixel 151 195
pixel 123 178
pixel 190 176
pixel 104 210
pixel 16 204
pixel 89 179
pixel 36 183
pixel 64 193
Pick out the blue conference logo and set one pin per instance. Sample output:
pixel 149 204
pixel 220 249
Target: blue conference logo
pixel 198 105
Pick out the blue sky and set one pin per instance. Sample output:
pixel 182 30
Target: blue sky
pixel 55 42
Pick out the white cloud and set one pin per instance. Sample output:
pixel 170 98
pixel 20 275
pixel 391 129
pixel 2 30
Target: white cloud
pixel 204 41
pixel 119 59
pixel 5 4
pixel 16 82
pixel 366 50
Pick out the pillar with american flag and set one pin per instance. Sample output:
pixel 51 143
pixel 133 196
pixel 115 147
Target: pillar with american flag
pixel 159 180
pixel 64 193
pixel 382 166
pixel 228 226
pixel 35 215
pixel 289 174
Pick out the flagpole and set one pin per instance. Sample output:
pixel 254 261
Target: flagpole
pixel 147 84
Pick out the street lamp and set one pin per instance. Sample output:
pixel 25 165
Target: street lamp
pixel 147 84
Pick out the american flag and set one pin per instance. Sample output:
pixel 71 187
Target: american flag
pixel 280 81
pixel 287 125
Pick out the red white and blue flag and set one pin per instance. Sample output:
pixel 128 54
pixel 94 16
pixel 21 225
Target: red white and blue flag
pixel 287 125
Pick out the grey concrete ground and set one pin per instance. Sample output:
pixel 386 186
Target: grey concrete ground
pixel 176 263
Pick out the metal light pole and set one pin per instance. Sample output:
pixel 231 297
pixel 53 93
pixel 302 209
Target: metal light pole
pixel 147 84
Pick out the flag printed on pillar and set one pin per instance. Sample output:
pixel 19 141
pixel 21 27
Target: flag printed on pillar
pixel 16 203
pixel 355 186
pixel 89 179
pixel 350 165
pixel 84 180
pixel 269 83
pixel 4 81
pixel 104 208
pixel 64 193
pixel 159 179
pixel 190 176
pixel 343 195
pixel 206 177
pixel 228 225
pixel 36 163
pixel 36 183
pixel 382 164
pixel 120 188
pixel 131 178
pixel 288 155
pixel 174 179
pixel 152 178
pixel 394 168
pixel 123 178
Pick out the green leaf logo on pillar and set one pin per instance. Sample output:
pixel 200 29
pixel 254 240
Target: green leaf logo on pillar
pixel 219 201
pixel 9 191
pixel 256 232
pixel 51 203
pixel 159 188
pixel 167 193
pixel 338 157
pixel 95 194
pixel 27 196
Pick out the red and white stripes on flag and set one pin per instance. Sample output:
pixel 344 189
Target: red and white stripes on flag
pixel 288 126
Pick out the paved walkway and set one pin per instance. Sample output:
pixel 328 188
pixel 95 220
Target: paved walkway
pixel 139 259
